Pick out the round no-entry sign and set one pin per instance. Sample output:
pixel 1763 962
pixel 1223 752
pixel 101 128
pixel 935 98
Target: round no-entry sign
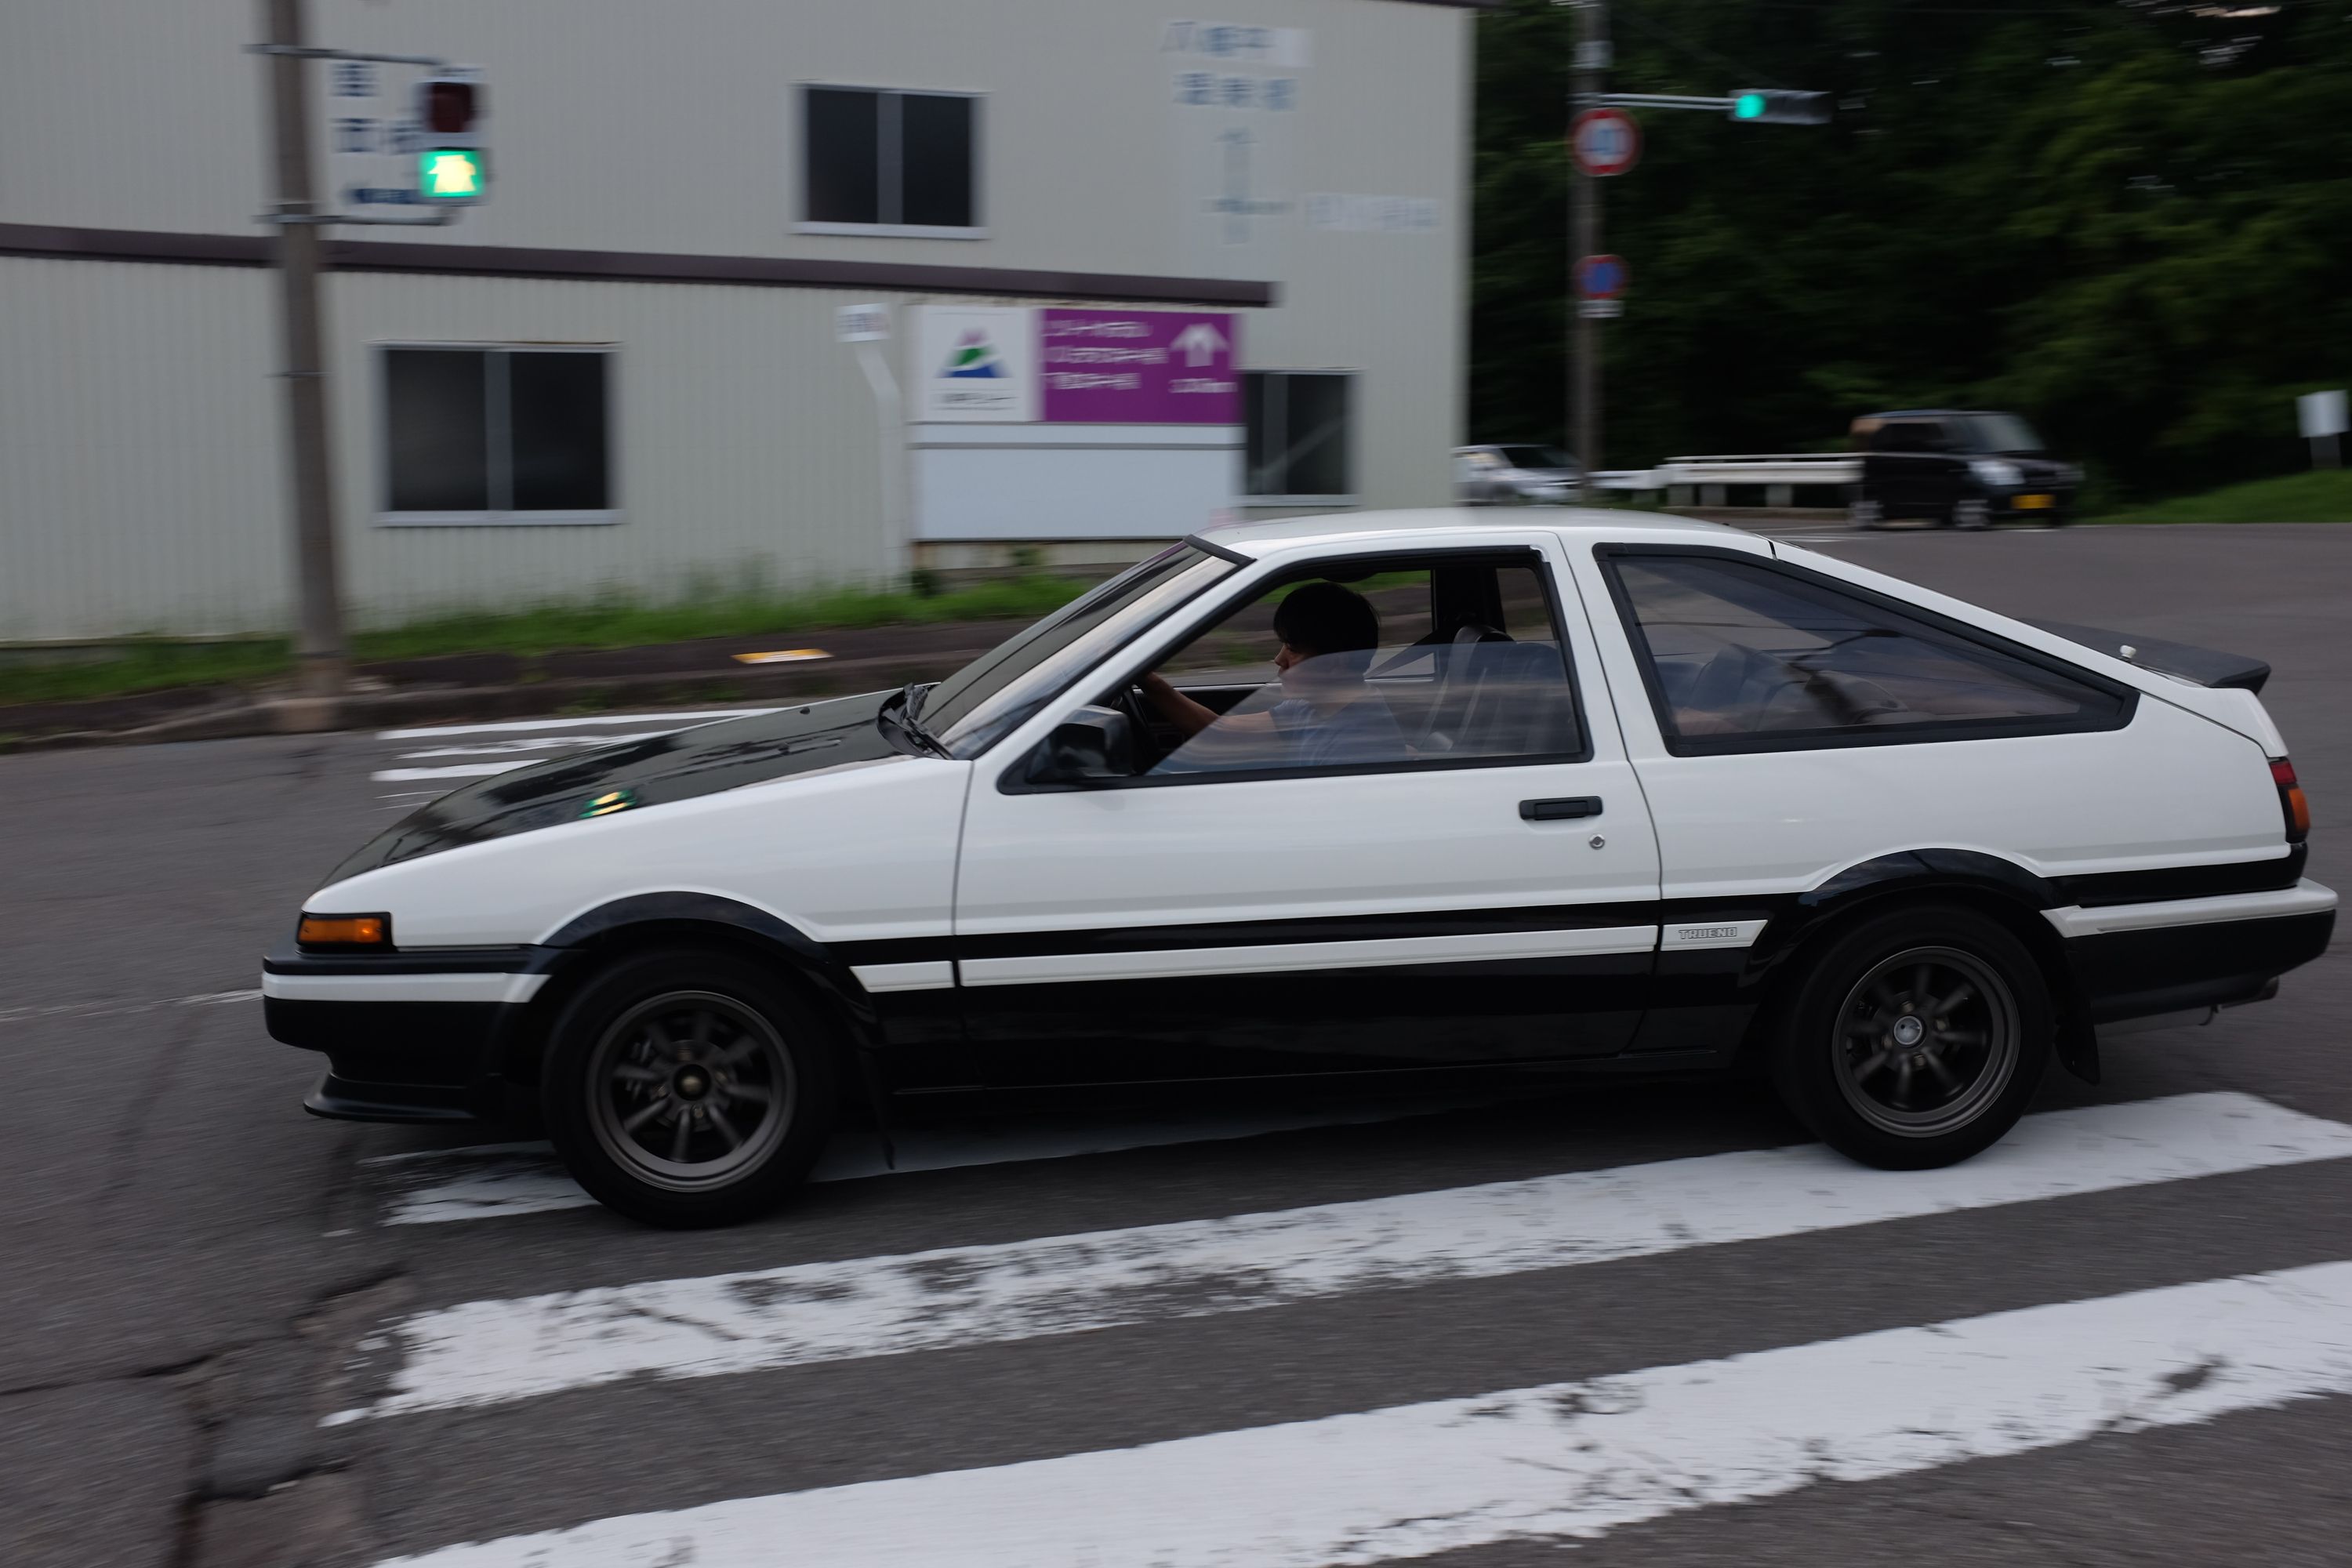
pixel 1601 277
pixel 1604 141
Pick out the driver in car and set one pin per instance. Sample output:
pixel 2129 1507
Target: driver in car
pixel 1327 716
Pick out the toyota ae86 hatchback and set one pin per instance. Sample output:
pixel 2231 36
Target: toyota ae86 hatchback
pixel 1340 794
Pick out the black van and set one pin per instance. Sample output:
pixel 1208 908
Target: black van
pixel 1961 467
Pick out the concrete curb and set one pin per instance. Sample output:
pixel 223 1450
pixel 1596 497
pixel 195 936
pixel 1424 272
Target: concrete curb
pixel 288 715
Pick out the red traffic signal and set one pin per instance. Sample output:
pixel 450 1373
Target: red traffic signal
pixel 448 106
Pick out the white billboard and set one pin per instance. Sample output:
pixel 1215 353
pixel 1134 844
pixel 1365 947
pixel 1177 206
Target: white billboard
pixel 975 363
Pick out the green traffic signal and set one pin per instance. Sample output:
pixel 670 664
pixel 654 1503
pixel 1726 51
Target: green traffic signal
pixel 1748 105
pixel 451 175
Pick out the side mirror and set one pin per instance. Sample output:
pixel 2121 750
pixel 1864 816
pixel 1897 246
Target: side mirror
pixel 1091 745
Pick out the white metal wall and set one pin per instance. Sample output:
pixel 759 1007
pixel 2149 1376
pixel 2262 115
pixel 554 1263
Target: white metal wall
pixel 140 433
pixel 140 459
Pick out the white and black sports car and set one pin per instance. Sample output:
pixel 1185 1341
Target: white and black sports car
pixel 1571 791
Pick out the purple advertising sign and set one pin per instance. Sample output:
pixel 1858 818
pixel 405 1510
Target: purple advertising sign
pixel 1139 367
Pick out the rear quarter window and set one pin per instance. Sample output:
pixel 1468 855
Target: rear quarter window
pixel 1742 655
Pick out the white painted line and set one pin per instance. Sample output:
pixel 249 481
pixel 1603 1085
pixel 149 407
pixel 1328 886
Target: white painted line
pixel 1280 957
pixel 466 770
pixel 490 1352
pixel 2305 898
pixel 512 989
pixel 1562 1461
pixel 929 974
pixel 520 725
pixel 535 743
pixel 120 1009
pixel 496 1180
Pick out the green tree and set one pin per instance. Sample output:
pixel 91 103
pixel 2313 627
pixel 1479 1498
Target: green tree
pixel 2128 222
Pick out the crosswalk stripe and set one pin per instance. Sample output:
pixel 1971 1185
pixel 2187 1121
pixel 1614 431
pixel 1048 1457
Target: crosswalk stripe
pixel 490 1352
pixel 1564 1460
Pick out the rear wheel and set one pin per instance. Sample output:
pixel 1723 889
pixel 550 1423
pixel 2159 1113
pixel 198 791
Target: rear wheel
pixel 1971 512
pixel 1864 511
pixel 1916 1040
pixel 688 1089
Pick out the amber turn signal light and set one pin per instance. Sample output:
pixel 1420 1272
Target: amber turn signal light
pixel 2292 801
pixel 343 930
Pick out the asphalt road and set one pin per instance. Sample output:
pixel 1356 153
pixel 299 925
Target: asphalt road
pixel 201 1284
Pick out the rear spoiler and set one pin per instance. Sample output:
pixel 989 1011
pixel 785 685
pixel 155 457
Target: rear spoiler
pixel 2202 665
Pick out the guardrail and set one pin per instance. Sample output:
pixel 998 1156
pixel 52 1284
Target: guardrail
pixel 1710 481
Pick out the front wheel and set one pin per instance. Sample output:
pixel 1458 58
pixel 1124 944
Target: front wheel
pixel 1971 512
pixel 688 1089
pixel 1916 1040
pixel 1864 511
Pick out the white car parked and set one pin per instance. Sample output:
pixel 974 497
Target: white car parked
pixel 1596 792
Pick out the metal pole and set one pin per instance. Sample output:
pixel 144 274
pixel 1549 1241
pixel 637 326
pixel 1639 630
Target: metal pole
pixel 321 659
pixel 896 551
pixel 1584 400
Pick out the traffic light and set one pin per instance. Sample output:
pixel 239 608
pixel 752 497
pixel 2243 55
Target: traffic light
pixel 1779 106
pixel 452 168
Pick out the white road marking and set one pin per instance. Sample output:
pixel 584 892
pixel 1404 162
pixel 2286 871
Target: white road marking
pixel 536 744
pixel 119 1009
pixel 1562 1461
pixel 489 1351
pixel 461 771
pixel 518 726
pixel 497 1181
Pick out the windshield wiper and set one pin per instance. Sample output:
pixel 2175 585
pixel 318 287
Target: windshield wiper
pixel 902 710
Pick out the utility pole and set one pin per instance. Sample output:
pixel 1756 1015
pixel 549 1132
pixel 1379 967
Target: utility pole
pixel 1584 239
pixel 321 660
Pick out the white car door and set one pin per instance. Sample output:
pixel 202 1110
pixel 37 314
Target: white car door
pixel 1486 892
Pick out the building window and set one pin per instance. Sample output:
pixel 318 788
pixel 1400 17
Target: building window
pixel 497 434
pixel 874 158
pixel 1299 433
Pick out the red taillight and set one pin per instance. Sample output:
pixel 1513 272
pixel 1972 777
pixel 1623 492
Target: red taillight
pixel 2290 801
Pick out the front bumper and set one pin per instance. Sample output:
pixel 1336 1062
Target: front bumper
pixel 407 1036
pixel 2139 961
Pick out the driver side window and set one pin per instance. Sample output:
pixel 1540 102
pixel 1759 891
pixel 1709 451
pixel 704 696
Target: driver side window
pixel 1365 665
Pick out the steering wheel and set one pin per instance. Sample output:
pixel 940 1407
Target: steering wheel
pixel 1143 754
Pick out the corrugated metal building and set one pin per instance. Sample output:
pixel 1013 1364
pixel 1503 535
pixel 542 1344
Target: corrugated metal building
pixel 623 369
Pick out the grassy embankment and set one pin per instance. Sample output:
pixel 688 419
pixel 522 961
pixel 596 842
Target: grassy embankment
pixel 2323 495
pixel 149 665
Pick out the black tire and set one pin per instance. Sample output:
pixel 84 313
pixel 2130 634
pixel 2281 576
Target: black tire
pixel 686 1088
pixel 1863 512
pixel 1970 514
pixel 1915 1038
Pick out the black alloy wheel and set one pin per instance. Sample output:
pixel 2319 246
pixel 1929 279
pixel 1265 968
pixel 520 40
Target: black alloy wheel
pixel 688 1089
pixel 1916 1038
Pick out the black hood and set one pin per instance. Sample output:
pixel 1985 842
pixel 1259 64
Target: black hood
pixel 635 773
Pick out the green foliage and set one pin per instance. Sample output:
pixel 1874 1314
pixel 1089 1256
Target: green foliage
pixel 614 621
pixel 2128 222
pixel 2322 496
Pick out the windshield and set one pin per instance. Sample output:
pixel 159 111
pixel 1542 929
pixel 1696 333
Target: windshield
pixel 1536 457
pixel 2004 433
pixel 996 692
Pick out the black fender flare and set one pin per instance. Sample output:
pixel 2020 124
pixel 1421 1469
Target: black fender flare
pixel 822 973
pixel 1970 873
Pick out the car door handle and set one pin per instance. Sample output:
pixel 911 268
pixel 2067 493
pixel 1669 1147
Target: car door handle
pixel 1556 810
